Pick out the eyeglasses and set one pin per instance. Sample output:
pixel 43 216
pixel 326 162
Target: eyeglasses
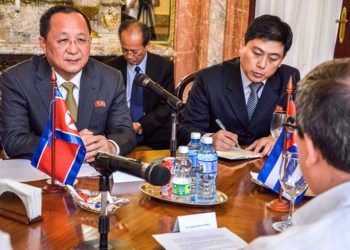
pixel 292 127
pixel 133 52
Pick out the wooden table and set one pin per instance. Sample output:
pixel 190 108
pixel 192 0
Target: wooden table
pixel 64 225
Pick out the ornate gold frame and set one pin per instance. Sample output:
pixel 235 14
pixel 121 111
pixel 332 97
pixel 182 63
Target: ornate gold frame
pixel 37 2
pixel 170 41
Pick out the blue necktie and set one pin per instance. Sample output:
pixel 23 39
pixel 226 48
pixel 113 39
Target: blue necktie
pixel 136 102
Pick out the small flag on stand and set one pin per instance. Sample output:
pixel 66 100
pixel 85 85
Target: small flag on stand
pixel 269 174
pixel 70 150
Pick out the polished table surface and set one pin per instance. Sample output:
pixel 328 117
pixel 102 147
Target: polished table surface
pixel 64 225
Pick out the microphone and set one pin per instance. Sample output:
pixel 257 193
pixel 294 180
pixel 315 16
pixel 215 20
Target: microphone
pixel 155 174
pixel 146 82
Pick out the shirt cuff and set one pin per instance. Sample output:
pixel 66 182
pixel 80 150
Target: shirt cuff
pixel 116 146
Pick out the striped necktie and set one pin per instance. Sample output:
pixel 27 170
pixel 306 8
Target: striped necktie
pixel 253 98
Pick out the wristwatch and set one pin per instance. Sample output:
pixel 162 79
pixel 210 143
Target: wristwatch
pixel 140 132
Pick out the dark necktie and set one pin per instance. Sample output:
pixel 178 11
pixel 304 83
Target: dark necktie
pixel 253 98
pixel 136 100
pixel 70 101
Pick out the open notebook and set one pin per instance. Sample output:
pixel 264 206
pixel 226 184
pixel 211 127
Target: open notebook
pixel 238 154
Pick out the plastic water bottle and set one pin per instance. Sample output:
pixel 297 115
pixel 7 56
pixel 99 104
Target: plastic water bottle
pixel 206 171
pixel 193 148
pixel 181 182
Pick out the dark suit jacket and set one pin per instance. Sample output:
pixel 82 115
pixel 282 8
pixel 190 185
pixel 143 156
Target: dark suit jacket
pixel 26 96
pixel 156 123
pixel 217 92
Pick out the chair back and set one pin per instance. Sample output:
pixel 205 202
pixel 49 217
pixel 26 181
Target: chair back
pixel 184 87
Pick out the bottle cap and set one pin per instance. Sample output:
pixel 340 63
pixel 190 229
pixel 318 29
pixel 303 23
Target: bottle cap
pixel 195 135
pixel 183 150
pixel 207 140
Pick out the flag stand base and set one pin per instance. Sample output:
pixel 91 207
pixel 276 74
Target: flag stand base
pixel 112 244
pixel 53 189
pixel 278 206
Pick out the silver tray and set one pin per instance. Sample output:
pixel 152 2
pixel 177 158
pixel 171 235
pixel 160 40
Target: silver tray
pixel 155 192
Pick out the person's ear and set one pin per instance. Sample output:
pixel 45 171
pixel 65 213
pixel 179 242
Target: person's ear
pixel 42 43
pixel 311 152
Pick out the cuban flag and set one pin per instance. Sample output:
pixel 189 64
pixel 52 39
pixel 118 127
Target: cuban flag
pixel 70 150
pixel 269 174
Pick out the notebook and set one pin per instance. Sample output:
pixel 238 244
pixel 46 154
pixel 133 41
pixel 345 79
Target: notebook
pixel 238 154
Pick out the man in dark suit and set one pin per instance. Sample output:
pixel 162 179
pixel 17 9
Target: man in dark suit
pixel 243 92
pixel 94 92
pixel 150 114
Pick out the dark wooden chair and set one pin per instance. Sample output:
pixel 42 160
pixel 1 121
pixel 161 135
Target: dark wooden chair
pixel 183 88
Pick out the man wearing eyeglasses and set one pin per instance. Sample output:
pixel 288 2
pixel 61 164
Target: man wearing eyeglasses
pixel 323 138
pixel 94 92
pixel 150 114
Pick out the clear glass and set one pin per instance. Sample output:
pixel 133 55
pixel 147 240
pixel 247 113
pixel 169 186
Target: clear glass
pixel 293 183
pixel 278 118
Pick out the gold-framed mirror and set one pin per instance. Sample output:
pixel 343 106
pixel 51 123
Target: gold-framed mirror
pixel 164 15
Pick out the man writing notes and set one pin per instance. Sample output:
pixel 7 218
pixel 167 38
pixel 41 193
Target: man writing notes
pixel 93 91
pixel 322 133
pixel 150 114
pixel 243 92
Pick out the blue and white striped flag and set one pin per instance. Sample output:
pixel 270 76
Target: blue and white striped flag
pixel 269 174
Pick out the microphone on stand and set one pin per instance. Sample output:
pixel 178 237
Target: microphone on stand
pixel 146 82
pixel 156 174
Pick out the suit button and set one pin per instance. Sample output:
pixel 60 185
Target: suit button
pixel 248 135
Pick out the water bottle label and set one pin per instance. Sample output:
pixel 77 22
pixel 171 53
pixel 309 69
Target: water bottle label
pixel 181 189
pixel 207 166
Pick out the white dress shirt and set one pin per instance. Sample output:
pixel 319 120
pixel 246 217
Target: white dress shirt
pixel 246 89
pixel 322 223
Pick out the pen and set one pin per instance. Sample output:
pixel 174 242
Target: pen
pixel 222 126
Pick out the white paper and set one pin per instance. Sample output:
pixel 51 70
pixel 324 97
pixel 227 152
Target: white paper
pixel 120 177
pixel 20 170
pixel 220 238
pixel 30 196
pixel 87 171
pixel 5 242
pixel 194 222
pixel 238 154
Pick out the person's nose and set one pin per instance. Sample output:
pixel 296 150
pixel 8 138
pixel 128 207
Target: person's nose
pixel 73 48
pixel 262 62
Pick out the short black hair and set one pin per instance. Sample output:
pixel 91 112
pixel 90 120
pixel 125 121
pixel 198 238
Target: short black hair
pixel 323 111
pixel 146 34
pixel 271 28
pixel 46 17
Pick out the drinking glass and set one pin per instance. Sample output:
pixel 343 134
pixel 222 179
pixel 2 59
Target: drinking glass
pixel 278 118
pixel 292 182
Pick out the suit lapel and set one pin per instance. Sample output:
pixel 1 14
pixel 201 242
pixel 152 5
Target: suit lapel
pixel 43 84
pixel 268 99
pixel 87 95
pixel 235 94
pixel 123 67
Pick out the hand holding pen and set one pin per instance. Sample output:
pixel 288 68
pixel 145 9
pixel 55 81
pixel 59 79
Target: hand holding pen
pixel 223 139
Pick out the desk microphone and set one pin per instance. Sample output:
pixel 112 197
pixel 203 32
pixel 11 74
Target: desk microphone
pixel 155 174
pixel 146 82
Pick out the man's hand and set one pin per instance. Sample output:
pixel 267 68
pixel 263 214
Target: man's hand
pixel 224 140
pixel 95 143
pixel 265 144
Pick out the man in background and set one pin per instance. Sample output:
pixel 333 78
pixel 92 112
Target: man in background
pixel 243 92
pixel 94 92
pixel 323 139
pixel 150 114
